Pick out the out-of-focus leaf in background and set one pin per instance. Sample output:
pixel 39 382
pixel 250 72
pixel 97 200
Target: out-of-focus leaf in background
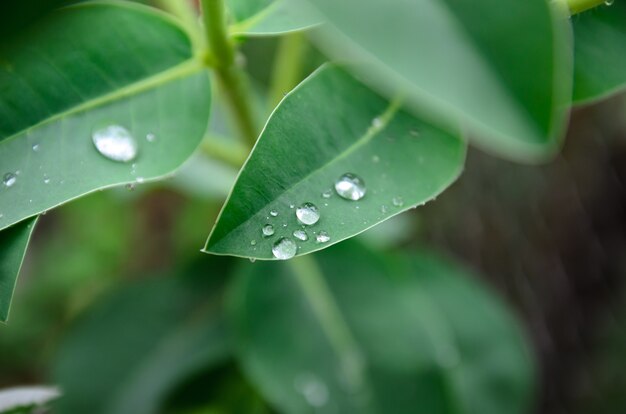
pixel 371 333
pixel 600 52
pixel 268 18
pixel 328 126
pixel 474 63
pixel 13 244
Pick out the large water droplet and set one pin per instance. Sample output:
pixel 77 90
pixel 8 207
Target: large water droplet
pixel 350 186
pixel 308 214
pixel 284 248
pixel 273 213
pixel 9 179
pixel 312 389
pixel 301 235
pixel 268 230
pixel 322 237
pixel 115 143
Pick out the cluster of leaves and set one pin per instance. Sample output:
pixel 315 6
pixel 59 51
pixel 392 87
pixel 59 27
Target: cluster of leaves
pixel 396 106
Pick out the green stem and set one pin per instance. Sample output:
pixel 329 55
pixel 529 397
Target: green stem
pixel 578 6
pixel 232 81
pixel 287 71
pixel 228 151
pixel 335 327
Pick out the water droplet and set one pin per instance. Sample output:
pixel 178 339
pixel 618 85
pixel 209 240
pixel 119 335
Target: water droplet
pixel 35 147
pixel 9 179
pixel 1 215
pixel 130 187
pixel 268 230
pixel 292 205
pixel 253 242
pixel 609 2
pixel 350 186
pixel 397 201
pixel 308 214
pixel 273 213
pixel 115 143
pixel 375 159
pixel 327 194
pixel 322 237
pixel 150 137
pixel 414 133
pixel 46 180
pixel 377 122
pixel 284 248
pixel 252 259
pixel 140 180
pixel 301 235
pixel 383 209
pixel 312 389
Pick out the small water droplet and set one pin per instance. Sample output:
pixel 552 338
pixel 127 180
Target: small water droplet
pixel 284 248
pixel 327 194
pixel 1 215
pixel 312 389
pixel 150 137
pixel 350 186
pixel 273 213
pixel 268 230
pixel 609 2
pixel 383 209
pixel 292 205
pixel 414 133
pixel 375 159
pixel 115 143
pixel 252 259
pixel 130 187
pixel 377 122
pixel 397 201
pixel 253 242
pixel 140 180
pixel 322 237
pixel 9 179
pixel 46 180
pixel 301 235
pixel 35 147
pixel 308 214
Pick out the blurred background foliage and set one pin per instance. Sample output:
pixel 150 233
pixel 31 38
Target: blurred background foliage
pixel 116 305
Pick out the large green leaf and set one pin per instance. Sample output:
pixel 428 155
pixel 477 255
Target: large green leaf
pixel 268 18
pixel 330 125
pixel 500 67
pixel 600 52
pixel 130 350
pixel 13 244
pixel 372 334
pixel 84 68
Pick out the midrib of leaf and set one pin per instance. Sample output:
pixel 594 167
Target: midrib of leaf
pixel 181 70
pixel 325 309
pixel 371 132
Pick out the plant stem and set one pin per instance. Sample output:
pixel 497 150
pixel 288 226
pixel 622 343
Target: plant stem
pixel 334 326
pixel 231 152
pixel 287 68
pixel 578 6
pixel 232 81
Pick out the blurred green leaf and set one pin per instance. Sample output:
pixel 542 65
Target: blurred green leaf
pixel 502 68
pixel 268 18
pixel 73 74
pixel 127 352
pixel 600 52
pixel 367 333
pixel 26 399
pixel 328 126
pixel 13 244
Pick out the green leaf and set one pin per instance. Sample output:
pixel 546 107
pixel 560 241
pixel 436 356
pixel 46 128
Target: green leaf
pixel 13 244
pixel 330 125
pixel 501 68
pixel 600 52
pixel 131 349
pixel 73 74
pixel 268 18
pixel 365 333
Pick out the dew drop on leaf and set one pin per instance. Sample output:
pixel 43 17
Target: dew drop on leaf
pixel 9 179
pixel 35 147
pixel 312 389
pixel 308 214
pixel 350 186
pixel 115 143
pixel 150 137
pixel 301 235
pixel 268 230
pixel 274 213
pixel 322 237
pixel 284 248
pixel 609 2
pixel 397 201
pixel 327 194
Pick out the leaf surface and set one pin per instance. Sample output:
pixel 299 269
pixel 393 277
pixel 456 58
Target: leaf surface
pixel 366 333
pixel 13 244
pixel 84 68
pixel 268 18
pixel 500 68
pixel 328 126
pixel 600 52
